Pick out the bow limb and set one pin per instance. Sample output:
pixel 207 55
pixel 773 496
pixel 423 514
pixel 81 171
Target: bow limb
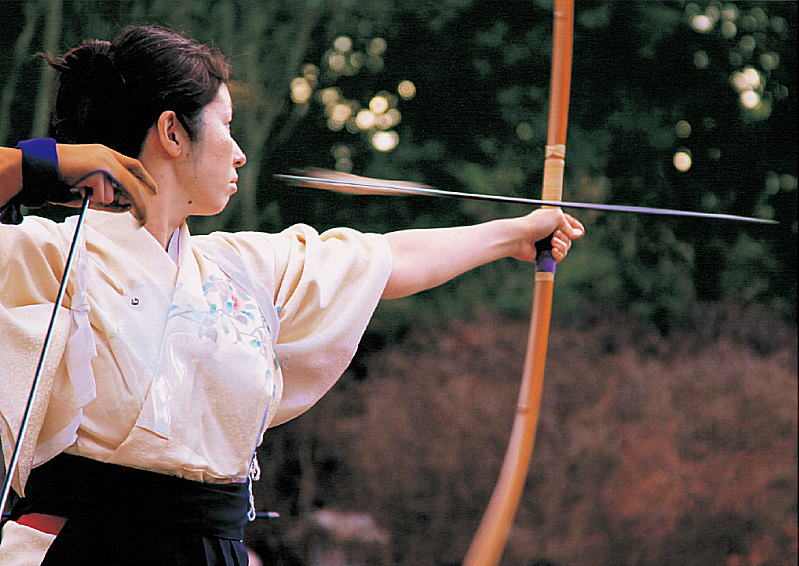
pixel 492 534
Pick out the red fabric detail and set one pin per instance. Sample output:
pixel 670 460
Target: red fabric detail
pixel 50 524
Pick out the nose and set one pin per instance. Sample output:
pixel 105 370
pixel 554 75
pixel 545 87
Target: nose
pixel 239 158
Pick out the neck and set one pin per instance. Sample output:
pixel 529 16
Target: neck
pixel 162 231
pixel 169 208
pixel 167 212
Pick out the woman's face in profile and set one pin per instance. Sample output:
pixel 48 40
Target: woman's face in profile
pixel 214 157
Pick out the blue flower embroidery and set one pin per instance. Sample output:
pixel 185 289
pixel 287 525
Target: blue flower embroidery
pixel 229 307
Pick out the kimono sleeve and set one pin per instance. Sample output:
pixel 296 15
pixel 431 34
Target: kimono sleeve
pixel 32 257
pixel 325 288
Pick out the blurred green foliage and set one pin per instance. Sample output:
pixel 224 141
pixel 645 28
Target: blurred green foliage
pixel 650 79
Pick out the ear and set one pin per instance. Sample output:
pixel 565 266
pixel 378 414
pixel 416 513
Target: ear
pixel 171 134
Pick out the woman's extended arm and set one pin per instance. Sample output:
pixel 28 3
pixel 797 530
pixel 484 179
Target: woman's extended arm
pixel 426 258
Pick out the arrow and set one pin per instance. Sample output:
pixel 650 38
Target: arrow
pixel 366 186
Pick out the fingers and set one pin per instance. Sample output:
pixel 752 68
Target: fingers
pixel 572 227
pixel 118 182
pixel 102 190
pixel 560 245
pixel 105 188
pixel 99 186
pixel 110 195
pixel 568 229
pixel 133 172
pixel 133 185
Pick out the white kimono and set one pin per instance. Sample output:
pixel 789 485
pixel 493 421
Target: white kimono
pixel 193 360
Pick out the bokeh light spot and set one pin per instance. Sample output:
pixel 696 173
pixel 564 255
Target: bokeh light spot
pixel 378 104
pixel 747 44
pixel 329 95
pixel 778 24
pixel 787 182
pixel 710 201
pixel 748 79
pixel 335 125
pixel 385 141
pixel 352 127
pixel 728 30
pixel 342 44
pixel 336 61
pixel 357 60
pixel 384 121
pixel 769 61
pixel 394 116
pixel 748 23
pixel 525 131
pixel 344 165
pixel 701 60
pixel 750 99
pixel 772 183
pixel 301 90
pixel 406 90
pixel 341 151
pixel 692 8
pixel 683 129
pixel 730 12
pixel 760 17
pixel 682 160
pixel 365 119
pixel 702 23
pixel 376 47
pixel 341 112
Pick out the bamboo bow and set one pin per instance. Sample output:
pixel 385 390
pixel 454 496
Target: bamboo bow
pixel 492 534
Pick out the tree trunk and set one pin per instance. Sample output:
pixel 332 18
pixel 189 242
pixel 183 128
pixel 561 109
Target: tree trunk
pixel 52 36
pixel 21 50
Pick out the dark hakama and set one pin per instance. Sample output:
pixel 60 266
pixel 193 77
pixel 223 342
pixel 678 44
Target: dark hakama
pixel 128 517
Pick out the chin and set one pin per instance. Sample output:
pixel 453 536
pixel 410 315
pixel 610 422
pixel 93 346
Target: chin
pixel 210 210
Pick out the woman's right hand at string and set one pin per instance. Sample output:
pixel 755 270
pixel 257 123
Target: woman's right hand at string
pixel 118 183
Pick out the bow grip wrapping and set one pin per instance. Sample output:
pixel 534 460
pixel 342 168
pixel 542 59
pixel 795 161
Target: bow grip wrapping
pixel 544 262
pixel 552 189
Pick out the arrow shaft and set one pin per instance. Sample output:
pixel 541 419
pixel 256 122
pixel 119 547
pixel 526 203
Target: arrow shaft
pixel 387 188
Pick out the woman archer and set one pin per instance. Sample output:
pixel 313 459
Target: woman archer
pixel 177 352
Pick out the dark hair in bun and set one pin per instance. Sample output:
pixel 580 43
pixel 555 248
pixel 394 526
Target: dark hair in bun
pixel 113 92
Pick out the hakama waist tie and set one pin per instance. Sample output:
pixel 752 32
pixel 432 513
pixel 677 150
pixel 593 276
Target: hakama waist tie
pixel 120 515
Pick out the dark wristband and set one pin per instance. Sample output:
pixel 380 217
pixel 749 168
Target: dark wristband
pixel 40 181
